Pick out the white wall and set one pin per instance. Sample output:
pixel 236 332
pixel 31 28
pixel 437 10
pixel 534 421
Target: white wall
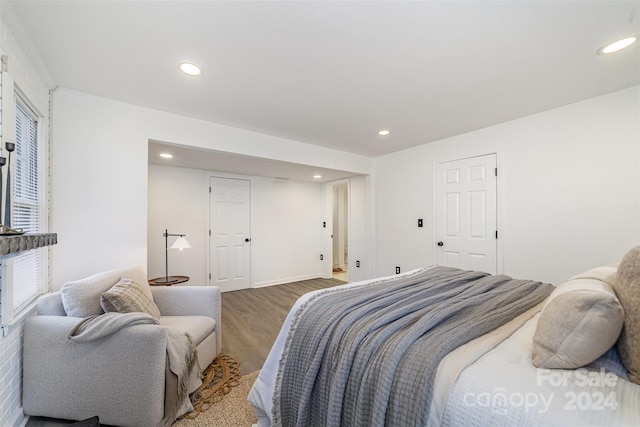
pixel 24 76
pixel 179 202
pixel 285 225
pixel 286 229
pixel 360 239
pixel 99 185
pixel 99 174
pixel 568 187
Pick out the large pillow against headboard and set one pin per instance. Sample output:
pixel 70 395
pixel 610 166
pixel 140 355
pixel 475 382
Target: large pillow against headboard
pixel 627 287
pixel 581 320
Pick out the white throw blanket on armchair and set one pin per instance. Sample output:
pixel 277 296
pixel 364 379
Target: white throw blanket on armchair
pixel 183 371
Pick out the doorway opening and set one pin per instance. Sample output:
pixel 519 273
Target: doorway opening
pixel 340 232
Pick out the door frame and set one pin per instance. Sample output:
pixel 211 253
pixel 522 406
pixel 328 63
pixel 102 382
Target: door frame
pixel 328 260
pixel 341 263
pixel 499 202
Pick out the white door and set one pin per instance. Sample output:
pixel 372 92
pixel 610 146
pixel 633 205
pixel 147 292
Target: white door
pixel 466 214
pixel 230 238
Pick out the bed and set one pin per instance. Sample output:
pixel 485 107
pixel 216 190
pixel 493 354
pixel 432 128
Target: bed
pixel 315 374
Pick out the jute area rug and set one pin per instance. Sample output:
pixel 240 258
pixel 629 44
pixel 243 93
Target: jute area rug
pixel 221 401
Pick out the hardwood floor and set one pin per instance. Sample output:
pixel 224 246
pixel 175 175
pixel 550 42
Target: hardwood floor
pixel 252 318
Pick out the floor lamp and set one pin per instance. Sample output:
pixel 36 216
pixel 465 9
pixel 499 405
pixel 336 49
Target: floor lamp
pixel 180 243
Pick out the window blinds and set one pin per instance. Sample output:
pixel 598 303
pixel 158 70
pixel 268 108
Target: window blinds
pixel 25 173
pixel 27 268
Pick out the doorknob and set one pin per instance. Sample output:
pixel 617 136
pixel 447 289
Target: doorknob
pixel 440 244
pixel 247 240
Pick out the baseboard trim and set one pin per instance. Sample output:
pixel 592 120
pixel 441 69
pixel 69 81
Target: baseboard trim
pixel 289 280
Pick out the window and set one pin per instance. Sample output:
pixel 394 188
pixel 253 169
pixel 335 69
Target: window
pixel 25 206
pixel 26 200
pixel 24 275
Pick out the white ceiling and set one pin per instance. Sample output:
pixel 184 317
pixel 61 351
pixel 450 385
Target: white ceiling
pixel 333 73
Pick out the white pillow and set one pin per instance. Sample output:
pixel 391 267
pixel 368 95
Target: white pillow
pixel 605 273
pixel 81 298
pixel 581 320
pixel 599 279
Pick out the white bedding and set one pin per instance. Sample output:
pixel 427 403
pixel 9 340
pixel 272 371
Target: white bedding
pixel 503 388
pixel 473 381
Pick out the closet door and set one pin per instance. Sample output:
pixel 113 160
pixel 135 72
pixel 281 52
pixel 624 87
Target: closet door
pixel 466 214
pixel 230 233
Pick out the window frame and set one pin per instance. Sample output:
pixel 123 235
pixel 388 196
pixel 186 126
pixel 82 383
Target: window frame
pixel 10 97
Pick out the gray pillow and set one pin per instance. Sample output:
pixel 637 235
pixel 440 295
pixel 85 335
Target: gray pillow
pixel 576 328
pixel 627 287
pixel 127 296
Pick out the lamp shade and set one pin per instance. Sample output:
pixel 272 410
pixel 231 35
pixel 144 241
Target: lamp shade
pixel 181 243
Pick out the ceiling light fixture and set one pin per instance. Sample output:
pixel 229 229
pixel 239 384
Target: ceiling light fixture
pixel 317 176
pixel 384 132
pixel 189 68
pixel 166 155
pixel 618 45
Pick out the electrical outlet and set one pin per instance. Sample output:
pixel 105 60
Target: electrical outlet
pixel 321 257
pixel 397 270
pixel 324 224
pixel 419 222
pixel 358 264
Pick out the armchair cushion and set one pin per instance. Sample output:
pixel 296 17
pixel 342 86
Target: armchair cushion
pixel 81 298
pixel 190 301
pixel 127 296
pixel 199 327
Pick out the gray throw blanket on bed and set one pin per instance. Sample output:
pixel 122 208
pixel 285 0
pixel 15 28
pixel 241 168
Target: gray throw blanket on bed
pixel 182 373
pixel 367 356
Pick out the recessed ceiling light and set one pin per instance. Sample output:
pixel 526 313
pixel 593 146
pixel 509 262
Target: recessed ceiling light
pixel 166 155
pixel 384 132
pixel 189 68
pixel 317 176
pixel 618 45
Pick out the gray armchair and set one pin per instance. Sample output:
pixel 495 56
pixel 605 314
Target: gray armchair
pixel 120 378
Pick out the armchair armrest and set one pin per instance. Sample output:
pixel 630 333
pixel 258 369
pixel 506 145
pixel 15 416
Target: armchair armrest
pixel 68 380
